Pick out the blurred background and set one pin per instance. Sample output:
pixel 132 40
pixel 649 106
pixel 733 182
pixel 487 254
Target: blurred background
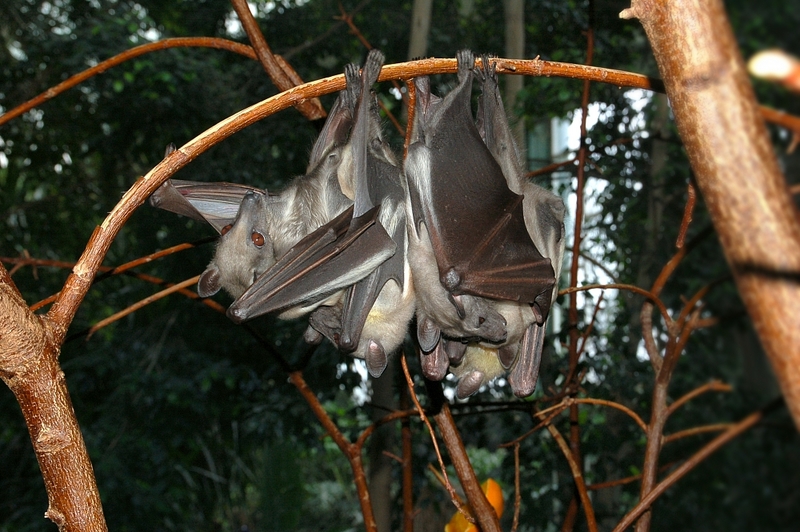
pixel 191 425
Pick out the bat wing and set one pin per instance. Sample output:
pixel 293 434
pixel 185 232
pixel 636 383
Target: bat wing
pixel 476 224
pixel 335 256
pixel 376 181
pixel 215 203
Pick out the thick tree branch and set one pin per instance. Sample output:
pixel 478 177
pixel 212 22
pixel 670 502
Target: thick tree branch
pixel 736 169
pixel 29 366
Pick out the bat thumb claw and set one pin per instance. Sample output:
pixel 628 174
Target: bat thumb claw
pixel 236 315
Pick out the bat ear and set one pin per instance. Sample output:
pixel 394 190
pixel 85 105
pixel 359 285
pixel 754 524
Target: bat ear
pixel 209 283
pixel 469 384
pixel 376 359
pixel 427 334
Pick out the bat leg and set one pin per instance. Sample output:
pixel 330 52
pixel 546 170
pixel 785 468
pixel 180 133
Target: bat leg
pixel 469 384
pixel 525 372
pixel 435 363
pixel 428 334
pixel 455 350
pixel 376 359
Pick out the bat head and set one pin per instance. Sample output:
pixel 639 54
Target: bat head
pixel 480 321
pixel 244 250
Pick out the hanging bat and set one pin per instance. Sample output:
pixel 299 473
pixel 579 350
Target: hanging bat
pixel 468 244
pixel 373 316
pixel 544 213
pixel 376 311
pixel 277 221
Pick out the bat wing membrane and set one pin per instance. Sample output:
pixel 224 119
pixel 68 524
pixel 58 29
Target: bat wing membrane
pixel 215 203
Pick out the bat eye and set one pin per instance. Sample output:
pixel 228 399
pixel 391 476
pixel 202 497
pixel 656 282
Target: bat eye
pixel 257 238
pixel 225 229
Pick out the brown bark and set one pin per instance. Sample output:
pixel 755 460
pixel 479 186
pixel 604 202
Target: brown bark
pixel 282 75
pixel 482 511
pixel 29 366
pixel 720 124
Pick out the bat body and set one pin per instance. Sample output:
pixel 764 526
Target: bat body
pixel 375 311
pixel 468 242
pixel 544 221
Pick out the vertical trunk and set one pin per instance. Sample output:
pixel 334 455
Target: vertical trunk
pixel 29 366
pixel 515 49
pixel 380 465
pixel 728 147
pixel 420 25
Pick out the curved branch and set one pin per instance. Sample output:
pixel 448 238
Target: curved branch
pixel 181 42
pixel 622 286
pixel 690 464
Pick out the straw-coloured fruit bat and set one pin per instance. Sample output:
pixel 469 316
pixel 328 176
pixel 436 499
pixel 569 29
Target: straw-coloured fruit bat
pixel 469 246
pixel 335 261
pixel 373 317
pixel 543 211
pixel 276 222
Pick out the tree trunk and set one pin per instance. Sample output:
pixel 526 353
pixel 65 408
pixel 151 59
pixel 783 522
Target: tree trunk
pixel 737 172
pixel 29 366
pixel 515 49
pixel 420 26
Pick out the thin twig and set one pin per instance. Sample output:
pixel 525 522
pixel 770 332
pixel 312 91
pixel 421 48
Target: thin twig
pixel 577 476
pixel 589 327
pixel 690 464
pixel 715 427
pixel 139 304
pixel 453 495
pixel 621 286
pixel 181 42
pixel 279 71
